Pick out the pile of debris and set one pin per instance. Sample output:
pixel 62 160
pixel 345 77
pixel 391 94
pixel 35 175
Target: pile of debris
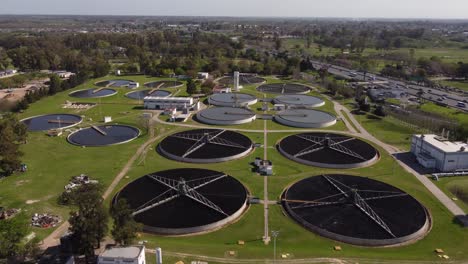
pixel 78 181
pixel 8 213
pixel 45 220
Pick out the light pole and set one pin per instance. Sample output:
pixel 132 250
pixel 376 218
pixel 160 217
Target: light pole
pixel 274 234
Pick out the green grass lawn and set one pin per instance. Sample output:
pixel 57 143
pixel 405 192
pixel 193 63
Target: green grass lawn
pixel 449 184
pixel 461 117
pixel 52 161
pixel 456 84
pixel 447 54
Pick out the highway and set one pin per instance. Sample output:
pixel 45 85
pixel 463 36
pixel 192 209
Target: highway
pixel 448 98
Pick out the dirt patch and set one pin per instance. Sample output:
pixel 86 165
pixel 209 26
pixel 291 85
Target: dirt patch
pixel 32 201
pixel 21 182
pixel 16 94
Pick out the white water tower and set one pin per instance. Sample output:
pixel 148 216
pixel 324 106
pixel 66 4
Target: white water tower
pixel 236 81
pixel 158 255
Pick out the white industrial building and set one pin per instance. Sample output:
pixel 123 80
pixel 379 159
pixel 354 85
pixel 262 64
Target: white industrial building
pixel 161 103
pixel 7 73
pixel 439 153
pixel 133 85
pixel 123 255
pixel 203 75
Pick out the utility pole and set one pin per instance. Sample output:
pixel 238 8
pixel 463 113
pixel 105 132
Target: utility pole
pixel 274 234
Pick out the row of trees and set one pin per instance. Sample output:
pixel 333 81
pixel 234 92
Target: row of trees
pixel 155 53
pixel 12 133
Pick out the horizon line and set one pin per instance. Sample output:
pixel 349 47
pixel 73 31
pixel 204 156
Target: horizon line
pixel 231 16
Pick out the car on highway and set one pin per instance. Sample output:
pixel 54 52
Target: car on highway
pixel 461 104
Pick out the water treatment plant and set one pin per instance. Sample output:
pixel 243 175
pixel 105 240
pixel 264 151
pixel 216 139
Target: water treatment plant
pixel 234 132
pixel 356 210
pixel 103 135
pixel 93 93
pixel 328 150
pixel 305 118
pixel 226 116
pixel 283 88
pixel 244 79
pixel 164 84
pixel 227 170
pixel 232 99
pixel 140 95
pixel 52 121
pixel 305 101
pixel 185 201
pixel 205 146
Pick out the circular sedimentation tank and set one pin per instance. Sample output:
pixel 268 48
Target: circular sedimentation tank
pixel 164 84
pixel 205 146
pixel 244 79
pixel 52 121
pixel 232 99
pixel 226 116
pixel 305 118
pixel 116 83
pixel 103 135
pixel 93 93
pixel 328 150
pixel 299 100
pixel 283 88
pixel 185 201
pixel 139 95
pixel 356 210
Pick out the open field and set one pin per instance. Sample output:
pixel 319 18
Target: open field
pixel 460 116
pixel 52 161
pixel 455 187
pixel 456 84
pixel 447 54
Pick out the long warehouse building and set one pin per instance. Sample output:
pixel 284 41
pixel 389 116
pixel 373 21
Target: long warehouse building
pixel 160 103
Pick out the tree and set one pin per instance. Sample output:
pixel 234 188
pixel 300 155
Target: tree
pixel 380 111
pixel 308 39
pixel 125 228
pixel 54 84
pixel 12 133
pixel 191 87
pixel 278 43
pixel 12 231
pixel 101 68
pixel 89 223
pixel 207 86
pixel 4 60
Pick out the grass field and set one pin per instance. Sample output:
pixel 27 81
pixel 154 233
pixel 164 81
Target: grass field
pixel 456 84
pixel 447 54
pixel 52 162
pixel 460 116
pixel 455 187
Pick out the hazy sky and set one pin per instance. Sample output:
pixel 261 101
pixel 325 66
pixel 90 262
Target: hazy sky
pixel 283 8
